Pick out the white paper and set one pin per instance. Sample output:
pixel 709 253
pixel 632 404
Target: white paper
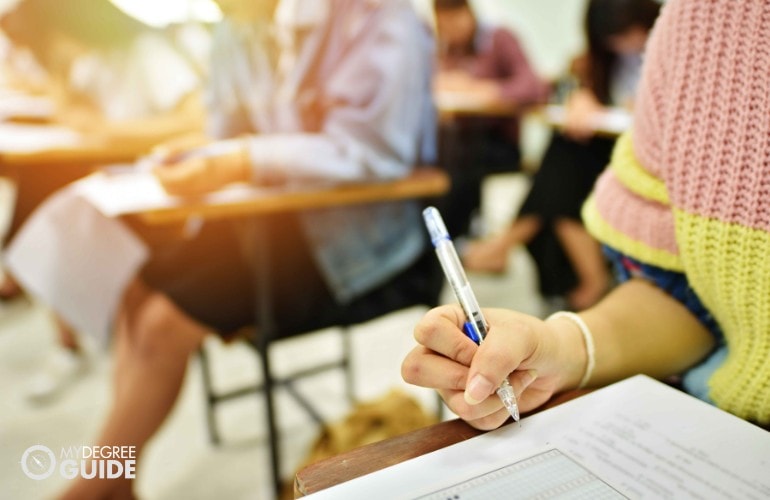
pixel 131 190
pixel 26 106
pixel 23 138
pixel 641 437
pixel 119 193
pixel 134 191
pixel 613 121
pixel 77 261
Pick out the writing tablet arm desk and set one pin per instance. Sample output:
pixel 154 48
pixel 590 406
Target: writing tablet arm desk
pixel 424 182
pixel 376 456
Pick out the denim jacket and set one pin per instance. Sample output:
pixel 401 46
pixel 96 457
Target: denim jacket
pixel 354 104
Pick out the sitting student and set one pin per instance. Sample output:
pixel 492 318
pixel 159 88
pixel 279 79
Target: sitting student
pixel 489 65
pixel 328 106
pixel 115 79
pixel 684 209
pixel 568 260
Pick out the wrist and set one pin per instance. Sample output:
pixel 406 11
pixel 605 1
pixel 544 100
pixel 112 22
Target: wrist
pixel 575 350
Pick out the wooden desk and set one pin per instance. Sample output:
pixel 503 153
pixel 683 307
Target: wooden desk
pixel 452 105
pixel 52 145
pixel 376 456
pixel 45 158
pixel 425 182
pixel 610 124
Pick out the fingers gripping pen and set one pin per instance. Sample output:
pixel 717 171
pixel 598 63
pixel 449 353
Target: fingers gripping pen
pixel 476 326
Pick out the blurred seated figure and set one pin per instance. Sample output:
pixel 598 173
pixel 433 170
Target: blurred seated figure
pixel 326 104
pixel 569 261
pixel 114 79
pixel 113 76
pixel 485 65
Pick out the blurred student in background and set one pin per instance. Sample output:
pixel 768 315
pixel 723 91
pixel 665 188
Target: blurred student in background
pixel 487 65
pixel 326 105
pixel 569 261
pixel 114 79
pixel 113 76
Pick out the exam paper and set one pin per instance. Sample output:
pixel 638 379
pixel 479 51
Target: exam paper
pixel 636 439
pixel 78 262
pixel 125 190
pixel 134 190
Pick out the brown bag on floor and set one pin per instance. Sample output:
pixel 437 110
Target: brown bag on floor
pixel 394 414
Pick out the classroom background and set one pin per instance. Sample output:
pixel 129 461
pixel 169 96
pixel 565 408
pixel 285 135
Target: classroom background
pixel 180 462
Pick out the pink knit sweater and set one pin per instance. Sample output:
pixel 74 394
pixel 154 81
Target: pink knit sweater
pixel 689 188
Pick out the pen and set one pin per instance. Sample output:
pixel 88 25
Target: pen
pixel 476 326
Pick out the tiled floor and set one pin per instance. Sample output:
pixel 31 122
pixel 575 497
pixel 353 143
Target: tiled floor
pixel 180 462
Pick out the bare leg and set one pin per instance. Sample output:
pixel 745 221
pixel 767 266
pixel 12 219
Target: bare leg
pixel 67 337
pixel 585 255
pixel 491 255
pixel 154 340
pixel 9 288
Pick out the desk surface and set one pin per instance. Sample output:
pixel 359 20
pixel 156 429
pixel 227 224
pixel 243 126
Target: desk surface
pixel 452 105
pixel 23 145
pixel 457 104
pixel 376 456
pixel 424 182
pixel 611 123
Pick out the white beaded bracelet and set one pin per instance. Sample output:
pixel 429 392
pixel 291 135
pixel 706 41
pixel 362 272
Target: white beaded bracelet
pixel 589 341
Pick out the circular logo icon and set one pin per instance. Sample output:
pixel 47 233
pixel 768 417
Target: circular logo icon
pixel 38 462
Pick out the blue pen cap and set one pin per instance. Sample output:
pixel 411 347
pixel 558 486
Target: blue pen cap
pixel 435 224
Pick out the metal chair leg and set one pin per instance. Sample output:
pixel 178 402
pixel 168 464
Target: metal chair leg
pixel 266 332
pixel 347 364
pixel 211 399
pixel 272 427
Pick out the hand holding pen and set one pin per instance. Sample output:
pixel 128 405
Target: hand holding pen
pixel 537 358
pixel 476 326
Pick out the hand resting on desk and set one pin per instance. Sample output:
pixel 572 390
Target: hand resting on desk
pixel 194 174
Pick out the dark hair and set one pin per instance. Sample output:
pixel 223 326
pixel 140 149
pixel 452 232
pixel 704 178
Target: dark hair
pixel 449 4
pixel 96 23
pixel 607 18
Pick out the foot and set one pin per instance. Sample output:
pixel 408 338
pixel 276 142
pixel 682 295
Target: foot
pixel 487 256
pixel 60 370
pixel 9 289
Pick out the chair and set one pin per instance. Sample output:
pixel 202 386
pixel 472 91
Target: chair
pixel 423 183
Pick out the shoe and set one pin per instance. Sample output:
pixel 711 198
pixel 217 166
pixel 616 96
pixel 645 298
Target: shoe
pixel 60 370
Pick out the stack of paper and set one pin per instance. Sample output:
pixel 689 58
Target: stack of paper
pixel 637 439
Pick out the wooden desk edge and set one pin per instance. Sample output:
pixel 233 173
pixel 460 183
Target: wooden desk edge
pixel 83 156
pixel 357 462
pixel 424 182
pixel 376 456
